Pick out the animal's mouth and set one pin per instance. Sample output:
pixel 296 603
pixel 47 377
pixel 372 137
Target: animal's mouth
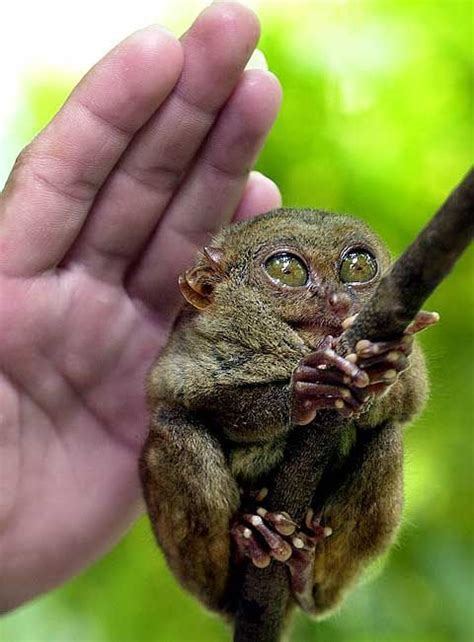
pixel 325 317
pixel 319 326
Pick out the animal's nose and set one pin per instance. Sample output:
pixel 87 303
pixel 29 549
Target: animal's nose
pixel 340 302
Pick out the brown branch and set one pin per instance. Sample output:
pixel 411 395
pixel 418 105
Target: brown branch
pixel 400 294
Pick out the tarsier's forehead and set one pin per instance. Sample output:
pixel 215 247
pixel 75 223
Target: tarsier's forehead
pixel 311 229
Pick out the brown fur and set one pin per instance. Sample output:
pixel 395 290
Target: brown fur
pixel 220 399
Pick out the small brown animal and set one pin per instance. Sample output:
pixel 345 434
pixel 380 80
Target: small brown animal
pixel 253 357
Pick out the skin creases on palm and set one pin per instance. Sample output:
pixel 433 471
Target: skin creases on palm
pixel 72 366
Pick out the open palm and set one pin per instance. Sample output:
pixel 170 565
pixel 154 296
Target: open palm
pixel 149 155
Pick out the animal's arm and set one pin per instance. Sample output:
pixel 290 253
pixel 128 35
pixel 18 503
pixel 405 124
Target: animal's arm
pixel 191 497
pixel 252 412
pixel 243 390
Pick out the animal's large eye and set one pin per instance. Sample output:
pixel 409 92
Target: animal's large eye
pixel 358 266
pixel 287 269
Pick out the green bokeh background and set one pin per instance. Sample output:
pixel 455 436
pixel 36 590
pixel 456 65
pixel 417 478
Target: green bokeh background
pixel 377 120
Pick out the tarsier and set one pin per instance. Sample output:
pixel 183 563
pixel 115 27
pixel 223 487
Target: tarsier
pixel 254 356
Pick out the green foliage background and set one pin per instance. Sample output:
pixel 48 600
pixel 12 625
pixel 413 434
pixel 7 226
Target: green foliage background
pixel 376 121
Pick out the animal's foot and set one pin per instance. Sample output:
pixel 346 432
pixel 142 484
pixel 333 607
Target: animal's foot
pixel 263 536
pixel 301 563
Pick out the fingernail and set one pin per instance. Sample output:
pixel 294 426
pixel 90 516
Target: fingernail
pixel 154 28
pixel 257 61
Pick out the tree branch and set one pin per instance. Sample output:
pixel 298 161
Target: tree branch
pixel 412 278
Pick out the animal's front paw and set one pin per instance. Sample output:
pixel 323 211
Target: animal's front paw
pixel 384 361
pixel 326 381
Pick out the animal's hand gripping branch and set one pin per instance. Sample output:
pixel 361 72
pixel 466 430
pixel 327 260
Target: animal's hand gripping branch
pixel 390 311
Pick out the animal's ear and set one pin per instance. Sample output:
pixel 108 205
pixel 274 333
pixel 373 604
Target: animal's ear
pixel 197 284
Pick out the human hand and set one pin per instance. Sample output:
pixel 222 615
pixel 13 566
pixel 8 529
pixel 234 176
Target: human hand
pixel 150 154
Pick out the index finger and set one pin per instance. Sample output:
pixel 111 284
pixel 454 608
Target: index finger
pixel 56 179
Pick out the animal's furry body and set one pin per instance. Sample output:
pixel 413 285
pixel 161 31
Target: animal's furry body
pixel 221 397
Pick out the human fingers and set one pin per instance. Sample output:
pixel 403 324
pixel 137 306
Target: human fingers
pixel 57 177
pixel 261 195
pixel 216 50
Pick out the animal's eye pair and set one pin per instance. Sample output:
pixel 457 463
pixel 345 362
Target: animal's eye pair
pixel 357 266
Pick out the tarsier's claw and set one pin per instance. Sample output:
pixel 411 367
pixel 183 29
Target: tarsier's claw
pixel 391 360
pixel 281 521
pixel 313 524
pixel 366 349
pixel 247 546
pixel 279 548
pixel 383 361
pixel 308 520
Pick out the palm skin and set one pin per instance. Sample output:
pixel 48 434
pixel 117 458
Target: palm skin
pixel 148 156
